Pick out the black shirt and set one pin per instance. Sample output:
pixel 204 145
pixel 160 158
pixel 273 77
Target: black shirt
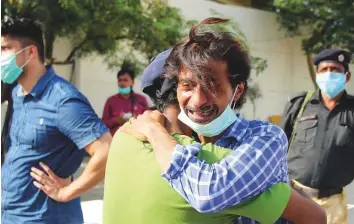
pixel 6 90
pixel 322 154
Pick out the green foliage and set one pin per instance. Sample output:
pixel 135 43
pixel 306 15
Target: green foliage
pixel 322 23
pixel 136 29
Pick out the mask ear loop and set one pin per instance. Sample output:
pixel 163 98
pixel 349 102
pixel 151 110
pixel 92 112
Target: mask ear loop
pixel 25 63
pixel 233 96
pixel 20 51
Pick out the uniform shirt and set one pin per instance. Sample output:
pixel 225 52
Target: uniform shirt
pixel 257 161
pixel 52 124
pixel 322 154
pixel 115 105
pixel 135 193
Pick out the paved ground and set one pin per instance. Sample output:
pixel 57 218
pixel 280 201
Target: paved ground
pixel 92 203
pixel 350 195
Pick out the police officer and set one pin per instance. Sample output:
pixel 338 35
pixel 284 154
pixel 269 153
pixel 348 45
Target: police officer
pixel 320 128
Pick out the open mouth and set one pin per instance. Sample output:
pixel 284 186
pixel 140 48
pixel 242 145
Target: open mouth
pixel 202 117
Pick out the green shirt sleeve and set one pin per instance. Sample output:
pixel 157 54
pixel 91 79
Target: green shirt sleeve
pixel 266 207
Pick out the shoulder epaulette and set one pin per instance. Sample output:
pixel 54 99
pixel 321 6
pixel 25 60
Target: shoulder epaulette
pixel 350 96
pixel 296 95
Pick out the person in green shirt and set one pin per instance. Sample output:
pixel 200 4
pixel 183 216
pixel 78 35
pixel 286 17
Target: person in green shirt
pixel 136 193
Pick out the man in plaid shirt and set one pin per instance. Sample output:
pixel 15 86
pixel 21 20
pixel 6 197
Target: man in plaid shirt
pixel 212 70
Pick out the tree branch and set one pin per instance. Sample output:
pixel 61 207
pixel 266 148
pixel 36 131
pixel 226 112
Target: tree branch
pixel 54 62
pixel 71 55
pixel 311 70
pixel 75 49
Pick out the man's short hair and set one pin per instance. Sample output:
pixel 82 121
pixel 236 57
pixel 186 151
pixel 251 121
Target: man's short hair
pixel 167 98
pixel 26 31
pixel 128 71
pixel 201 48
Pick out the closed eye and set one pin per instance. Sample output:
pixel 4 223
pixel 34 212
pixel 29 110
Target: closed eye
pixel 185 86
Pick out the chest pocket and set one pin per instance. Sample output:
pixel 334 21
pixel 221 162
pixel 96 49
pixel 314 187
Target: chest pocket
pixel 345 136
pixel 306 131
pixel 34 136
pixel 38 135
pixel 41 137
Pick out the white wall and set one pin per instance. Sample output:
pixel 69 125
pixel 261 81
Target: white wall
pixel 62 49
pixel 287 71
pixel 97 82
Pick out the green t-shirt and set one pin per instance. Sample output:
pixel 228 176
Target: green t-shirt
pixel 135 192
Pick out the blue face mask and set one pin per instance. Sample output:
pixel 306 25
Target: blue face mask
pixel 124 91
pixel 10 71
pixel 216 126
pixel 331 83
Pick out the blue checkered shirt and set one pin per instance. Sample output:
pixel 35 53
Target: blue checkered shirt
pixel 257 162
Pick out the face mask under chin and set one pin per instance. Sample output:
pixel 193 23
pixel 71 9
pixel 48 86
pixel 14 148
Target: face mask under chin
pixel 216 126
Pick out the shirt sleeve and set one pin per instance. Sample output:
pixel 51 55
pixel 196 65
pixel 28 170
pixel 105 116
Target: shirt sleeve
pixel 289 116
pixel 252 167
pixel 144 103
pixel 107 118
pixel 78 121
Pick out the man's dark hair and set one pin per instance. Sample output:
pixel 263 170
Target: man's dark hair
pixel 128 71
pixel 166 98
pixel 26 31
pixel 162 100
pixel 201 48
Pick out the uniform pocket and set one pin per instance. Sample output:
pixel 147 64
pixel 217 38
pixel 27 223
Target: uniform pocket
pixel 306 131
pixel 345 136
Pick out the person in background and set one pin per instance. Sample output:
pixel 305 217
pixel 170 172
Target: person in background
pixel 320 128
pixel 125 104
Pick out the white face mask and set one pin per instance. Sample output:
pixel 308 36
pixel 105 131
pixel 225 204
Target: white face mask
pixel 216 126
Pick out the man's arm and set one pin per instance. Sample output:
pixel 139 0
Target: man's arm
pixel 287 120
pixel 290 112
pixel 95 169
pixel 109 120
pixel 144 103
pixel 303 210
pixel 78 122
pixel 254 166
